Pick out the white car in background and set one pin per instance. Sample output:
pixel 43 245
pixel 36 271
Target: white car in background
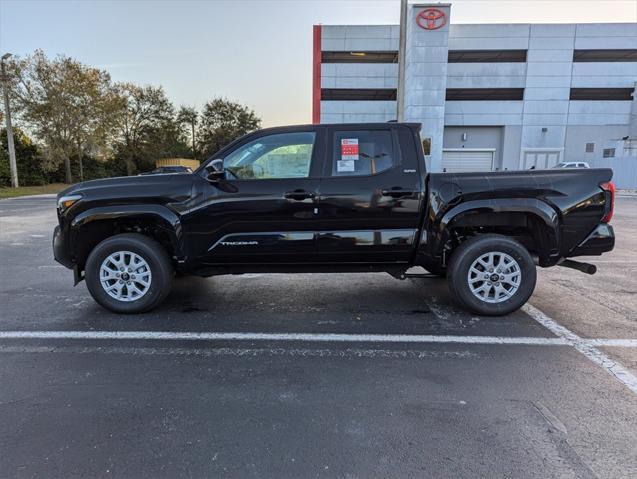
pixel 572 164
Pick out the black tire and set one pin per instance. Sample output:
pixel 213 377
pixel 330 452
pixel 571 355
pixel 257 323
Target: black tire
pixel 150 251
pixel 468 253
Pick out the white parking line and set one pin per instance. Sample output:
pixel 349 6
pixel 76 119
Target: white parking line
pixel 300 337
pixel 586 347
pixel 566 338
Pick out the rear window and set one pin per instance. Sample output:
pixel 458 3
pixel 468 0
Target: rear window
pixel 360 153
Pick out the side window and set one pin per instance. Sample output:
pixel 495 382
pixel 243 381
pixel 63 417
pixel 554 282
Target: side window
pixel 358 153
pixel 284 155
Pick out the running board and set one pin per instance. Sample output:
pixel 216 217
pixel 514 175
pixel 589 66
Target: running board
pixel 579 266
pixel 414 275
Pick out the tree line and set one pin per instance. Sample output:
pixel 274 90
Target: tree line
pixel 74 123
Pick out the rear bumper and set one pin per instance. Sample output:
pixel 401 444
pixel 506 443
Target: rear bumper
pixel 60 248
pixel 601 240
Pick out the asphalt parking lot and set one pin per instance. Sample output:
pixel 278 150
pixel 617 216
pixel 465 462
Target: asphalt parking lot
pixel 330 375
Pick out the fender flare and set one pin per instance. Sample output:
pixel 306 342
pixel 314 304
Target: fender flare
pixel 533 206
pixel 167 219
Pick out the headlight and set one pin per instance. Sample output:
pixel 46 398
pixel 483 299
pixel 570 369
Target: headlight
pixel 65 202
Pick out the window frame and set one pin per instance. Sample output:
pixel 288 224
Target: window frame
pixel 359 94
pixel 329 149
pixel 318 151
pixel 494 56
pixel 386 57
pixel 595 55
pixel 596 94
pixel 489 94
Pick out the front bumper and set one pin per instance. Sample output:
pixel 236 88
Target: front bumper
pixel 60 248
pixel 601 240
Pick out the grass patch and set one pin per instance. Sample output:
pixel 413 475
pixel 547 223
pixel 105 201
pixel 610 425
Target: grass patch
pixel 31 190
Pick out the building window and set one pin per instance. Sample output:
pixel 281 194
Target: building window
pixel 590 147
pixel 359 57
pixel 630 147
pixel 358 94
pixel 613 94
pixel 609 153
pixel 627 55
pixel 471 94
pixel 487 56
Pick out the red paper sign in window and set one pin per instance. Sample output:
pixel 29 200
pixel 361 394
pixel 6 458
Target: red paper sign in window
pixel 349 149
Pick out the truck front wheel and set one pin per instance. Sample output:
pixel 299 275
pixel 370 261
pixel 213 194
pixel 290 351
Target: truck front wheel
pixel 129 273
pixel 491 274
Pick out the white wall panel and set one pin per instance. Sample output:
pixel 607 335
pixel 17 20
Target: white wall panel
pixel 486 119
pixel 605 69
pixel 550 55
pixel 543 93
pixel 489 43
pixel 595 43
pixel 499 30
pixel 486 82
pixel 484 107
pixel 605 30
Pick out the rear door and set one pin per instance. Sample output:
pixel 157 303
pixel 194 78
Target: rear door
pixel 369 195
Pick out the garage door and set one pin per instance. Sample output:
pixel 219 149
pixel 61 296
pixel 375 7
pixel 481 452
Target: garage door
pixel 455 161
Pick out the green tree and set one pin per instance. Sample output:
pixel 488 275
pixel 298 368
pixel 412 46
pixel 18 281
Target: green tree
pixel 148 128
pixel 221 122
pixel 189 117
pixel 63 101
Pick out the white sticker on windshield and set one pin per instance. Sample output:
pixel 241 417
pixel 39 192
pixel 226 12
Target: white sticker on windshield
pixel 345 165
pixel 349 149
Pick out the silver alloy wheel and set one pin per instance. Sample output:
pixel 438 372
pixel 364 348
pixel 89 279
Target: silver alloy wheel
pixel 125 276
pixel 494 277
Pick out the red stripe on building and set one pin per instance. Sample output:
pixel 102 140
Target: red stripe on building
pixel 316 75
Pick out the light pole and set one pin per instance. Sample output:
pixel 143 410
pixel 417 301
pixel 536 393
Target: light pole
pixel 7 113
pixel 402 45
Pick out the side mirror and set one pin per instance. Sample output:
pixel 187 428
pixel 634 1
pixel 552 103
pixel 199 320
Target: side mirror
pixel 215 170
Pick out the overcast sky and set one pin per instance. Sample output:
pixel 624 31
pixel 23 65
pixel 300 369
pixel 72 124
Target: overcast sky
pixel 254 52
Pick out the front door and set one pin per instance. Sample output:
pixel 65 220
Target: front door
pixel 370 195
pixel 264 211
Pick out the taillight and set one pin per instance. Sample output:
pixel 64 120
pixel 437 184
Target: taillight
pixel 609 188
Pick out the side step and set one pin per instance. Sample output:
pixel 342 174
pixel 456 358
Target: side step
pixel 402 275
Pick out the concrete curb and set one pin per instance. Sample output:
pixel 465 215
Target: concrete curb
pixel 43 195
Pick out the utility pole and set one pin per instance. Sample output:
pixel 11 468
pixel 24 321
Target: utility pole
pixel 402 44
pixel 7 114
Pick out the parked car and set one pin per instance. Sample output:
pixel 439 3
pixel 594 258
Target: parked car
pixel 332 198
pixel 572 164
pixel 163 170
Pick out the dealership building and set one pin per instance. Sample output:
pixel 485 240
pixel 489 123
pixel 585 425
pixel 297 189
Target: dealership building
pixel 489 96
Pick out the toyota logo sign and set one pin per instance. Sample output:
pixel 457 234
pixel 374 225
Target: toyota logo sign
pixel 431 19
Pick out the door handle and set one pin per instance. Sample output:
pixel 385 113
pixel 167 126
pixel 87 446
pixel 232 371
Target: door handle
pixel 397 192
pixel 298 195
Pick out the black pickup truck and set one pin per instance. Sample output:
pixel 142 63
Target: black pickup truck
pixel 332 198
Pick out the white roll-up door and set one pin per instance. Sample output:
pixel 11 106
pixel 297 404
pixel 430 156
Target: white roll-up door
pixel 457 161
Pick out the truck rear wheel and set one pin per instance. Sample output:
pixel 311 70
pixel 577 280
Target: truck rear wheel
pixel 491 274
pixel 129 273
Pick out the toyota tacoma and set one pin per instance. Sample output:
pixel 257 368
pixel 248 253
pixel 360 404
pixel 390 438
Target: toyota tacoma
pixel 332 198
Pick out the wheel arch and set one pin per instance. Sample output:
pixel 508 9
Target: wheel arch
pixel 94 225
pixel 531 221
